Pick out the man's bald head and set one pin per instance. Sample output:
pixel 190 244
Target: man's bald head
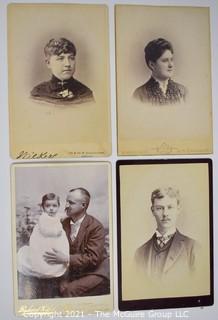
pixel 81 193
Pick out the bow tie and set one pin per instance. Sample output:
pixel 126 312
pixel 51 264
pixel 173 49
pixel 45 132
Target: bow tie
pixel 162 240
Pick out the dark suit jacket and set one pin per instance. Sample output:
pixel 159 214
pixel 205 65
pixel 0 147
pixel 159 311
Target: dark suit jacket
pixel 87 251
pixel 180 258
pixel 67 91
pixel 150 92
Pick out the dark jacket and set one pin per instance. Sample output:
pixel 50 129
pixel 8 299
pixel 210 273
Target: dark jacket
pixel 87 251
pixel 60 92
pixel 180 258
pixel 151 92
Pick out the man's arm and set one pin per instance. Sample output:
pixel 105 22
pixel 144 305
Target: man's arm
pixel 92 253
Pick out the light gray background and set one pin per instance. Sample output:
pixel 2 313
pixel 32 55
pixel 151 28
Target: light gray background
pixel 6 289
pixel 31 183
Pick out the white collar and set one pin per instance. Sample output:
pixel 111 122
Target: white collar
pixel 162 84
pixel 79 221
pixel 168 233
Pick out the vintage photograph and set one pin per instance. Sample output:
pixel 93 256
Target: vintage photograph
pixel 59 97
pixel 170 251
pixel 163 80
pixel 160 89
pixel 60 58
pixel 62 236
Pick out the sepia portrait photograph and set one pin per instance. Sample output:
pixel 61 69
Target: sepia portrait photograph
pixel 164 103
pixel 58 80
pixel 62 237
pixel 166 207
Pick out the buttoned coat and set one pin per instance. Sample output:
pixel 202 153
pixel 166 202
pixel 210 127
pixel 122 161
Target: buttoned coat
pixel 180 260
pixel 87 252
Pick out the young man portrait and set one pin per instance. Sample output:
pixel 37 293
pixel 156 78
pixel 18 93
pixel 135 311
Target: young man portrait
pixel 168 252
pixel 60 58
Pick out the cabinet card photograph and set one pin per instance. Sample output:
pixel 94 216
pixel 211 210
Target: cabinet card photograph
pixel 165 237
pixel 62 238
pixel 58 57
pixel 163 58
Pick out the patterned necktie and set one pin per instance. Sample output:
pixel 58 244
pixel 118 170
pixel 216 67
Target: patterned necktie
pixel 162 240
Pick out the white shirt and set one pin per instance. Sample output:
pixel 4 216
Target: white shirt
pixel 162 239
pixel 169 232
pixel 75 226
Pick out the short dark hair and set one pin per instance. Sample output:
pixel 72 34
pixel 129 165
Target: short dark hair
pixel 166 191
pixel 50 196
pixel 155 48
pixel 84 192
pixel 59 46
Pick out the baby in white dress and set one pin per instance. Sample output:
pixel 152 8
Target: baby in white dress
pixel 47 236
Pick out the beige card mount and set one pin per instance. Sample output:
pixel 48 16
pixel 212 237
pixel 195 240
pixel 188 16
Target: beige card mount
pixel 58 108
pixel 37 284
pixel 170 113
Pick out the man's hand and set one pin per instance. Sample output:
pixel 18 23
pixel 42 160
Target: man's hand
pixel 64 287
pixel 55 257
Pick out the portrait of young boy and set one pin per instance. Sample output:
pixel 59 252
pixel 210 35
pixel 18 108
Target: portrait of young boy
pixel 60 58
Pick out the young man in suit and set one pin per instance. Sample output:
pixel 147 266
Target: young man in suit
pixel 168 253
pixel 89 262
